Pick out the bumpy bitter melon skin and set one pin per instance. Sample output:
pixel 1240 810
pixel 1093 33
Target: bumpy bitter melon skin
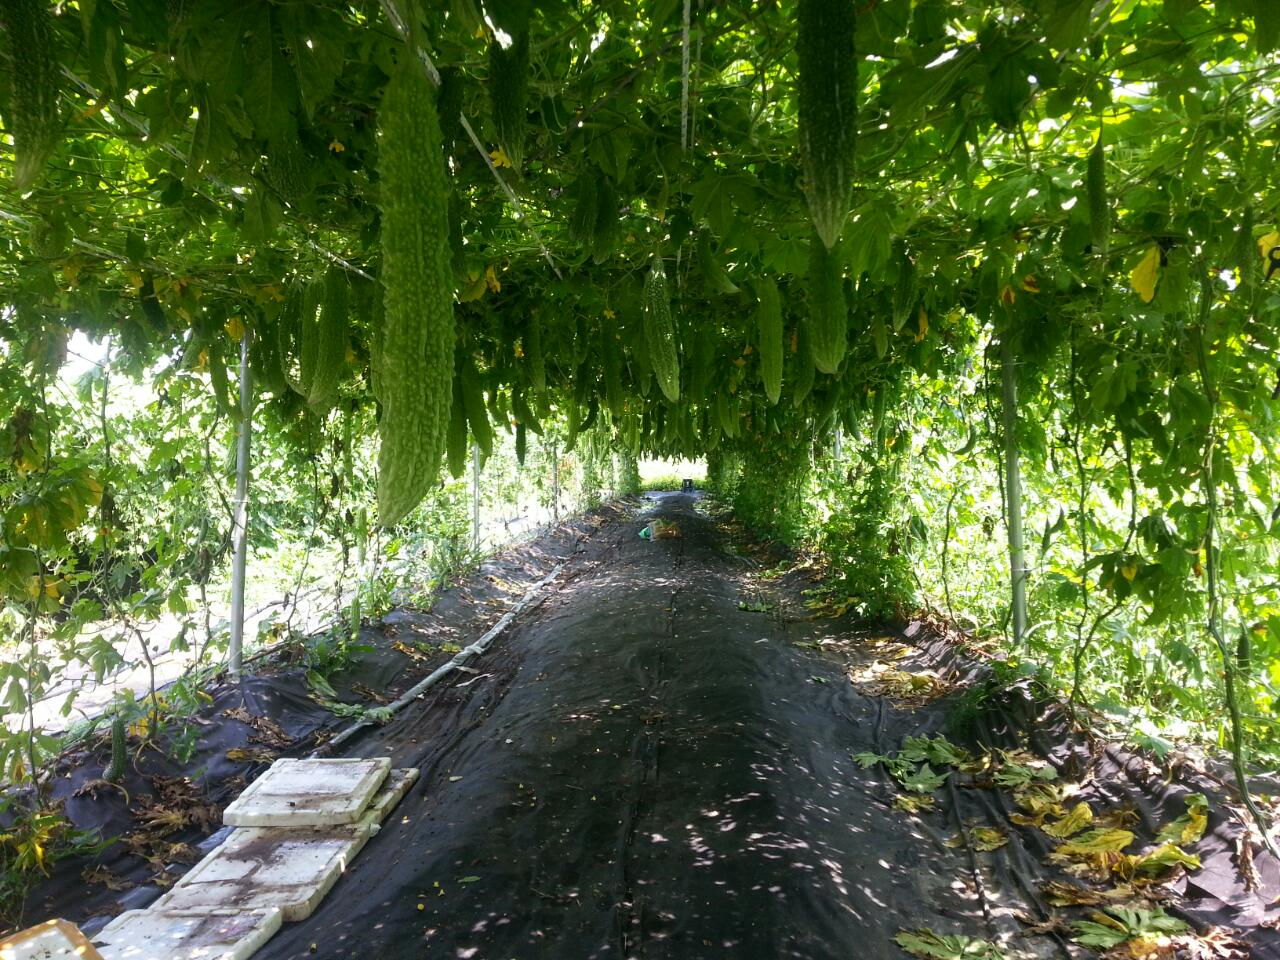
pixel 456 442
pixel 1099 209
pixel 586 210
pixel 604 235
pixel 119 751
pixel 473 406
pixel 416 368
pixel 828 106
pixel 508 84
pixel 611 362
pixel 904 288
pixel 286 172
pixel 330 341
pixel 534 356
pixel 35 79
pixel 660 331
pixel 803 372
pixel 828 311
pixel 769 339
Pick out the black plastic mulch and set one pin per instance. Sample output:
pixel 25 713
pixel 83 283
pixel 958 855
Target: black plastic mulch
pixel 644 769
pixel 273 688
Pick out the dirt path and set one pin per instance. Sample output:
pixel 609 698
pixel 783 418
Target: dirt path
pixel 648 770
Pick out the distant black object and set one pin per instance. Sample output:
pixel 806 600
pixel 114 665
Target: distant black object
pixel 686 485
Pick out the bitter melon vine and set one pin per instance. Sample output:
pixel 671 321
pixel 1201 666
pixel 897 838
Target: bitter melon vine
pixel 416 367
pixel 660 331
pixel 508 81
pixel 828 311
pixel 827 104
pixel 34 81
pixel 769 337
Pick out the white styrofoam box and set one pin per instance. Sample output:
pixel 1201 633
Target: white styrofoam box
pixel 298 793
pixel 51 940
pixel 210 935
pixel 265 867
pixel 398 783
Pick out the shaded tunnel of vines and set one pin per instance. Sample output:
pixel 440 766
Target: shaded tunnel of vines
pixel 975 302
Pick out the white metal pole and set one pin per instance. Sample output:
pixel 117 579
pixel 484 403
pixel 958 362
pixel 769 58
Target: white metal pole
pixel 555 482
pixel 240 521
pixel 1013 489
pixel 475 497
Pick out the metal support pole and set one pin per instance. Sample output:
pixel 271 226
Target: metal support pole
pixel 475 497
pixel 839 444
pixel 555 482
pixel 1013 489
pixel 240 520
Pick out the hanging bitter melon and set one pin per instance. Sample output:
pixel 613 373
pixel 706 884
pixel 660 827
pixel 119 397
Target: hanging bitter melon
pixel 803 372
pixel 35 79
pixel 456 441
pixel 330 335
pixel 533 355
pixel 827 103
pixel 828 311
pixel 604 234
pixel 660 332
pixel 586 210
pixel 508 84
pixel 611 362
pixel 769 337
pixel 416 365
pixel 1096 188
pixel 473 406
pixel 119 751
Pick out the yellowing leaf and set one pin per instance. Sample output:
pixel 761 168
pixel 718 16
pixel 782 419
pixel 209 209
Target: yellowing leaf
pixel 1146 274
pixel 1095 842
pixel 1189 827
pixel 1080 817
pixel 987 838
pixel 913 802
pixel 491 279
pixel 1166 857
pixel 1268 243
pixel 922 325
pixel 234 328
pixel 1008 296
pixel 473 290
pixel 1030 283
